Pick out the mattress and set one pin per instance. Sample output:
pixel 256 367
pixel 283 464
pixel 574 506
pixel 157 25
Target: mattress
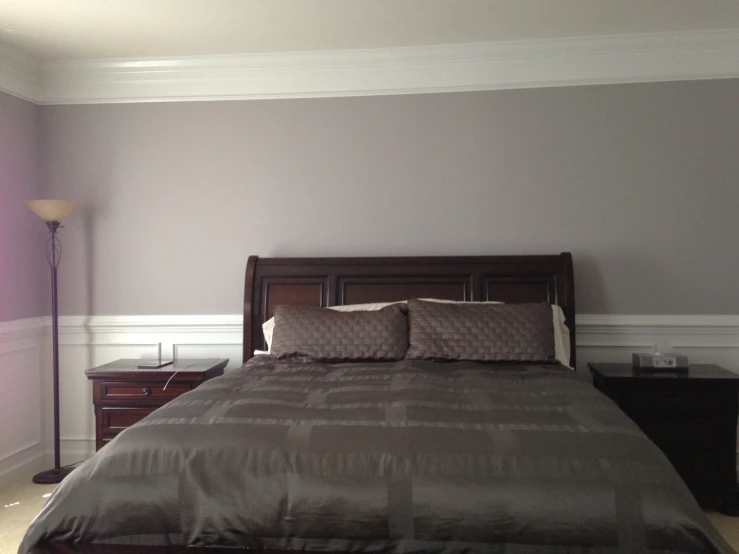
pixel 409 456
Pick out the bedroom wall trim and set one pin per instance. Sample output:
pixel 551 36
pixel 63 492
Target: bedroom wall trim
pixel 20 74
pixel 409 70
pixel 704 338
pixel 104 329
pixel 87 341
pixel 22 349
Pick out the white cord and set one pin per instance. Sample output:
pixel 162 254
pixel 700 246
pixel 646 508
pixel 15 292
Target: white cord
pixel 198 362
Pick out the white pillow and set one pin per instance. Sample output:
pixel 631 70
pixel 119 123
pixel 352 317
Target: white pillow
pixel 370 307
pixel 268 328
pixel 561 331
pixel 442 301
pixel 561 337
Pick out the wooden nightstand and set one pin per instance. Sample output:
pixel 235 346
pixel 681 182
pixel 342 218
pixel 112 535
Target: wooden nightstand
pixel 691 416
pixel 124 395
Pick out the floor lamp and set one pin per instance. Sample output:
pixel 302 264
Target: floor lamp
pixel 52 211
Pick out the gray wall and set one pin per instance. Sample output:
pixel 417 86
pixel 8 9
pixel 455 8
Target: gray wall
pixel 640 182
pixel 24 276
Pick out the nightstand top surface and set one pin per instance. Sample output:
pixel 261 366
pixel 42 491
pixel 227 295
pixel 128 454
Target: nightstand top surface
pixel 188 365
pixel 696 372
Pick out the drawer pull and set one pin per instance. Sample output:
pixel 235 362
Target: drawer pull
pixel 148 391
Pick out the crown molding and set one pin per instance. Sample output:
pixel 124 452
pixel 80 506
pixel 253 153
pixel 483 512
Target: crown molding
pixel 423 69
pixel 504 65
pixel 20 74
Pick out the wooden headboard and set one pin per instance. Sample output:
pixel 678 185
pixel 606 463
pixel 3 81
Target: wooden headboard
pixel 271 282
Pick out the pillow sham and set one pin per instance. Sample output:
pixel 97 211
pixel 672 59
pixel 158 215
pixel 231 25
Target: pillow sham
pixel 561 331
pixel 332 336
pixel 481 332
pixel 269 325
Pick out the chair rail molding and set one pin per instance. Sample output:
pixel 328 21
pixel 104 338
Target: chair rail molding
pixel 383 71
pixel 88 341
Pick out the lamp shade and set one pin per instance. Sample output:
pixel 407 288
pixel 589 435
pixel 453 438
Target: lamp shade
pixel 51 210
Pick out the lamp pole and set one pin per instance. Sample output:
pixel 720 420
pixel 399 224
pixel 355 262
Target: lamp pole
pixel 51 211
pixel 53 255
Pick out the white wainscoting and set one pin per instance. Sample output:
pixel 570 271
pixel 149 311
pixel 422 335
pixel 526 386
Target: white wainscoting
pixel 87 342
pixel 22 392
pixel 704 338
pixel 90 341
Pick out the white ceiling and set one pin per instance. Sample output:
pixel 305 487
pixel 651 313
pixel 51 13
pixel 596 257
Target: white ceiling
pixel 75 29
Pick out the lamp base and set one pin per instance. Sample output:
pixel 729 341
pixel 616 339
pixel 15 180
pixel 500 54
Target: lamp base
pixel 52 476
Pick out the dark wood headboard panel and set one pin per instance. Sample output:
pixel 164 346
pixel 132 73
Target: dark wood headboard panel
pixel 335 281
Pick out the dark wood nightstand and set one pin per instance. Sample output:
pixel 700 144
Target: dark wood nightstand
pixel 124 395
pixel 691 416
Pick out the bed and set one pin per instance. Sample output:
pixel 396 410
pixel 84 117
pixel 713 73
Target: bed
pixel 408 455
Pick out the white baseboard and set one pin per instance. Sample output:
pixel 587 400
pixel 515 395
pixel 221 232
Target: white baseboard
pixel 76 449
pixel 24 463
pixel 86 342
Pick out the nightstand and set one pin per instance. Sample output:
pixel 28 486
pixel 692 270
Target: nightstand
pixel 123 395
pixel 691 416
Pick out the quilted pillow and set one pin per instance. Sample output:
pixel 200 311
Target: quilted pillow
pixel 481 332
pixel 328 335
pixel 269 325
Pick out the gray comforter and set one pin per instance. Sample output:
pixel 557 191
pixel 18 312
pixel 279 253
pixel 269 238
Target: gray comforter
pixel 395 457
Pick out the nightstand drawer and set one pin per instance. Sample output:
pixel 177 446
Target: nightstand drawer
pixel 115 420
pixel 136 390
pixel 123 394
pixel 678 402
pixel 683 435
pixel 690 416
